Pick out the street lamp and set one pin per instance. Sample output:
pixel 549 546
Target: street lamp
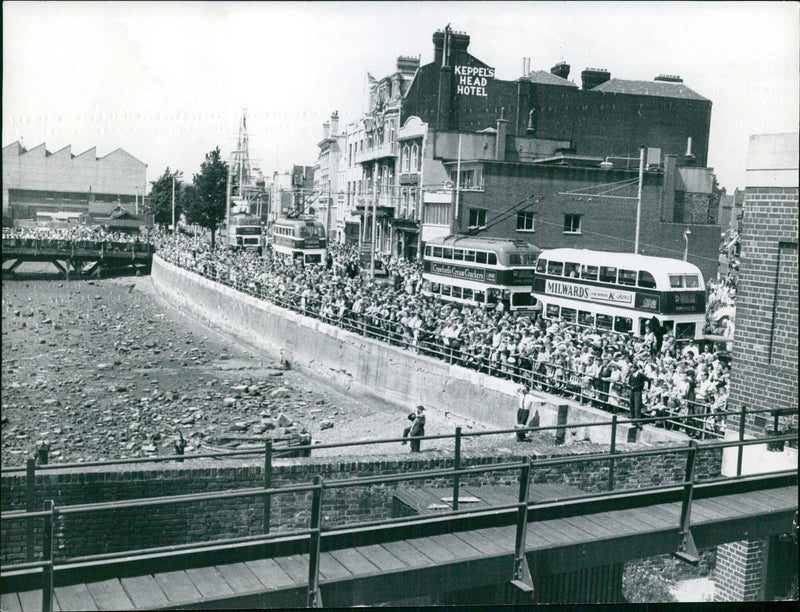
pixel 174 228
pixel 686 235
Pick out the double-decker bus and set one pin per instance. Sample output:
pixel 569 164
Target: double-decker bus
pixel 299 239
pixel 244 232
pixel 621 291
pixel 480 271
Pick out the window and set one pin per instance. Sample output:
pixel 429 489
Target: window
pixel 467 294
pixel 646 280
pixel 675 281
pixel 521 299
pixel 604 321
pixel 608 275
pixel 458 254
pixel 572 224
pixel 446 290
pixel 414 158
pixel 692 281
pixel 568 314
pixel 480 257
pixel 406 158
pixel 627 277
pixel 491 259
pixel 437 251
pixel 480 296
pixel 552 311
pixel 541 266
pixel 623 324
pixel 526 221
pixel 469 256
pixel 447 253
pixel 571 269
pixel 585 318
pixel 555 268
pixel 477 217
pixel 589 272
pixel 684 331
pixel 428 250
pixel 457 292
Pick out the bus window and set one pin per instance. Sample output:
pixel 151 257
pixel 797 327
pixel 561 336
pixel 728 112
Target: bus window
pixel 467 294
pixel 541 266
pixel 531 261
pixel 685 331
pixel 428 250
pixel 491 259
pixel 676 281
pixel 692 281
pixel 627 277
pixel 589 272
pixel 480 297
pixel 446 290
pixel 585 318
pixel 552 311
pixel 555 268
pixel 604 321
pixel 437 251
pixel 456 292
pixel 571 269
pixel 521 299
pixel 447 253
pixel 643 326
pixel 436 288
pixel 458 254
pixel 469 256
pixel 623 324
pixel 667 326
pixel 480 257
pixel 646 280
pixel 514 259
pixel 569 315
pixel 608 275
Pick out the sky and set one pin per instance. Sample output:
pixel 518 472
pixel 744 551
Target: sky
pixel 168 82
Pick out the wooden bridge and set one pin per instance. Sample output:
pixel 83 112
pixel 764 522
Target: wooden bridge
pixel 77 257
pixel 536 543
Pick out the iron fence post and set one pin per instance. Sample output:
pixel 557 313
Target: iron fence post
pixel 740 454
pixel 456 467
pixel 30 505
pixel 612 451
pixel 522 519
pixel 47 556
pixel 314 600
pixel 267 484
pixel 688 550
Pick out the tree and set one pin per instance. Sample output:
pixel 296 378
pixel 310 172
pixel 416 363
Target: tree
pixel 159 200
pixel 206 199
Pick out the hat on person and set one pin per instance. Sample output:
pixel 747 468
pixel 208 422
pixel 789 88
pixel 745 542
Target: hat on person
pixel 420 408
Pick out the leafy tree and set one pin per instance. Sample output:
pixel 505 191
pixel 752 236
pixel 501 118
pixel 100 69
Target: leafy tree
pixel 159 201
pixel 205 200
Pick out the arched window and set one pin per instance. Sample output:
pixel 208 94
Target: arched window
pixel 414 156
pixel 406 160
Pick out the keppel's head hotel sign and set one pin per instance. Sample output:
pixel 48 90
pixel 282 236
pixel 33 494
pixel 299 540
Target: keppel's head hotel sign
pixel 472 80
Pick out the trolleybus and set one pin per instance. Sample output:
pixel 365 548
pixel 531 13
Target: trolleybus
pixel 299 240
pixel 244 232
pixel 485 271
pixel 621 291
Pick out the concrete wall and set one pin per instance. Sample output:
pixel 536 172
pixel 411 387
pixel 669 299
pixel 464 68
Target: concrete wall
pixel 370 368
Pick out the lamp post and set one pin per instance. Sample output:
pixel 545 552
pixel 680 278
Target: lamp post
pixel 639 200
pixel 686 235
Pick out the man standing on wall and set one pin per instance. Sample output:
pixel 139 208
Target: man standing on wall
pixel 637 382
pixel 417 429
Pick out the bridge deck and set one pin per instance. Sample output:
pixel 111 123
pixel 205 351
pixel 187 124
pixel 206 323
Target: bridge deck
pixel 401 569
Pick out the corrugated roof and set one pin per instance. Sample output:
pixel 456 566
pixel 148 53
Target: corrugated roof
pixel 663 89
pixel 548 78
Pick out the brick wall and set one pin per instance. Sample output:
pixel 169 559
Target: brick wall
pixel 93 533
pixel 738 573
pixel 764 367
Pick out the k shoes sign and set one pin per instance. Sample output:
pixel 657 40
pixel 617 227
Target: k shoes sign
pixel 472 80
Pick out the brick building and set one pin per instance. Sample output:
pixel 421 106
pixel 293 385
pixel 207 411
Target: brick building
pixel 539 135
pixel 764 365
pixel 37 180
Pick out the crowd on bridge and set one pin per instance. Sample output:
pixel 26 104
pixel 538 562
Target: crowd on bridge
pixel 586 364
pixel 77 234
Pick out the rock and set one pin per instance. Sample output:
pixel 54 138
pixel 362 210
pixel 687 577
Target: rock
pixel 326 425
pixel 239 426
pixel 284 421
pixel 253 390
pixel 104 366
pixel 259 428
pixel 148 448
pixel 279 392
pixel 229 401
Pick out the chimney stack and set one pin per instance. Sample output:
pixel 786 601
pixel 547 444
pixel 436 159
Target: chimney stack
pixel 335 123
pixel 500 138
pixel 326 130
pixel 669 78
pixel 561 69
pixel 592 77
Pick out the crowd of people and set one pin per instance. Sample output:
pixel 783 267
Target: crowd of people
pixel 613 371
pixel 77 234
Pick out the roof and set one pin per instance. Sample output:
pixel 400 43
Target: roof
pixel 487 242
pixel 548 78
pixel 662 89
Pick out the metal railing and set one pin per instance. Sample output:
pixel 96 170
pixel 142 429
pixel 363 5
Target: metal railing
pixel 310 540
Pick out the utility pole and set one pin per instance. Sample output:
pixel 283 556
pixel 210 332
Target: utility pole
pixel 639 199
pixel 454 216
pixel 374 221
pixel 174 229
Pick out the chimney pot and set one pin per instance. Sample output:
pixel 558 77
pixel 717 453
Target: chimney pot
pixel 592 77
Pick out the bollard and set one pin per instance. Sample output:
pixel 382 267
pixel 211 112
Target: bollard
pixel 612 450
pixel 561 432
pixel 740 455
pixel 267 484
pixel 456 466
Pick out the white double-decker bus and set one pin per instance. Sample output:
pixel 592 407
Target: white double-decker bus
pixel 480 271
pixel 621 291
